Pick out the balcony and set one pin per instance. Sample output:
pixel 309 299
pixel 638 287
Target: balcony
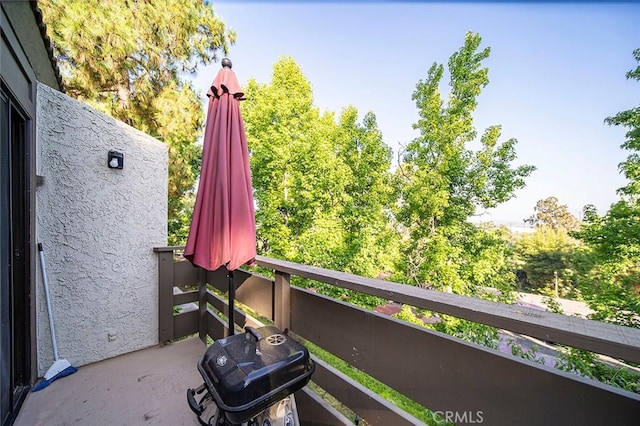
pixel 462 382
pixel 142 387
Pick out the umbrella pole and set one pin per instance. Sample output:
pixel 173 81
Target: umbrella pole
pixel 232 296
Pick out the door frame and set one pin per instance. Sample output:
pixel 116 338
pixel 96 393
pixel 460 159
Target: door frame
pixel 19 241
pixel 19 84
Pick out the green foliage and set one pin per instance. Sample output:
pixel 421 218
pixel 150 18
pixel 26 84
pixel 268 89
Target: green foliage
pixel 127 58
pixel 443 182
pixel 611 289
pixel 296 174
pixel 553 305
pixel 530 354
pixel 467 330
pixel 487 262
pixel 548 212
pixel 544 253
pixel 179 220
pixel 406 314
pixel 587 364
pixel 612 286
pixel 630 119
pixel 463 329
pixel 355 298
pixel 464 259
pixel 372 244
pixel 616 235
pixel 322 186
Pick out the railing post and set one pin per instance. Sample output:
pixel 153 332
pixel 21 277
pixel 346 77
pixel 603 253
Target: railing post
pixel 165 294
pixel 282 300
pixel 203 326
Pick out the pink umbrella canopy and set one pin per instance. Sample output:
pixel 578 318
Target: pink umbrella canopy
pixel 223 228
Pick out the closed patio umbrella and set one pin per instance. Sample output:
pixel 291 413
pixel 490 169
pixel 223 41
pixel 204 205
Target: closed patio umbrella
pixel 223 230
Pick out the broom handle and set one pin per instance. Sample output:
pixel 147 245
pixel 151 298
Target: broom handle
pixel 46 292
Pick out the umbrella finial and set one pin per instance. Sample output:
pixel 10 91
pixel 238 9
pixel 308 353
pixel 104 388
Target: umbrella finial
pixel 226 62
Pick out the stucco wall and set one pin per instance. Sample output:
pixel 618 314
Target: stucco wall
pixel 98 227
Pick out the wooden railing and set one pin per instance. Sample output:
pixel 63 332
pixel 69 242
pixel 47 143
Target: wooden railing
pixel 462 382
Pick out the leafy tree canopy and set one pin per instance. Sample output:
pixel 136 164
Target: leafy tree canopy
pixel 443 181
pixel 447 181
pixel 630 119
pixel 616 235
pixel 548 212
pixel 548 256
pixel 322 184
pixel 613 285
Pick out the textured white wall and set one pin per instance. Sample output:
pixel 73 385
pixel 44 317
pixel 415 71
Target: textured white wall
pixel 98 227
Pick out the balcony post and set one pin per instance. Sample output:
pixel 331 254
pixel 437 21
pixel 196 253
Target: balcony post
pixel 282 314
pixel 165 294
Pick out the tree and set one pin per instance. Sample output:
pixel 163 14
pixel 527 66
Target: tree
pixel 546 254
pixel 365 214
pixel 298 180
pixel 613 285
pixel 443 181
pixel 548 212
pixel 127 58
pixel 322 186
pixel 630 119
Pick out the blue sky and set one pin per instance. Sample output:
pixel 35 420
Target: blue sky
pixel 556 71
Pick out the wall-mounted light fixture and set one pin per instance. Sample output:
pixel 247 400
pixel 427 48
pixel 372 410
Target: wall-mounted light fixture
pixel 115 160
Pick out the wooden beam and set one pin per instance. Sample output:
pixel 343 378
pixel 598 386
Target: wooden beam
pixel 446 374
pixel 368 405
pixel 282 300
pixel 608 339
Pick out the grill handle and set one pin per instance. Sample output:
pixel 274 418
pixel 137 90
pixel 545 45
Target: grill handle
pixel 252 331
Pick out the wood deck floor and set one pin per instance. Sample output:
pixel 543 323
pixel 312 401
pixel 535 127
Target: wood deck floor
pixel 146 387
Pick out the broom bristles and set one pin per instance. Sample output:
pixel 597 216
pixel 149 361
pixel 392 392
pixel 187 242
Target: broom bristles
pixel 60 368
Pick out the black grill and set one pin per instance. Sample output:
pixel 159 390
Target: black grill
pixel 246 373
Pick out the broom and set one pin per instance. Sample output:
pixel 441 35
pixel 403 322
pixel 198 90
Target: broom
pixel 60 367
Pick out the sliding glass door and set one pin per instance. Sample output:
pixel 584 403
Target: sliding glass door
pixel 14 259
